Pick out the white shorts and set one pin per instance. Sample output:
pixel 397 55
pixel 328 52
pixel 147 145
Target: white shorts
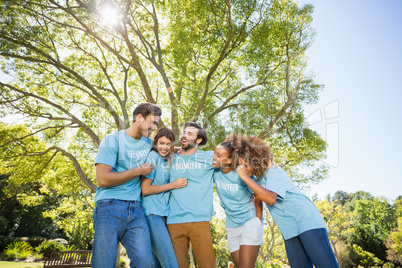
pixel 251 234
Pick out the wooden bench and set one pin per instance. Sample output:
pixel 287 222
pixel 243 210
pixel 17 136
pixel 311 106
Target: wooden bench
pixel 76 258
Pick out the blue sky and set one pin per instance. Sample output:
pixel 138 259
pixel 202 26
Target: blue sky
pixel 357 55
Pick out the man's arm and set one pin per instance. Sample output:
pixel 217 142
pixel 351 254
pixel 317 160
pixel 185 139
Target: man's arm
pixel 106 177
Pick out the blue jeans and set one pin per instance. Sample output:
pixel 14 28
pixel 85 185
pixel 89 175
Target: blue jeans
pixel 163 254
pixel 117 220
pixel 311 247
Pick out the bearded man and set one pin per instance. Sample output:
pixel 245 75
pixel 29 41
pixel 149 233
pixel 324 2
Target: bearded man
pixel 191 207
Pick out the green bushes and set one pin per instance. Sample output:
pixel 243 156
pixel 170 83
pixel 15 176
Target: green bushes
pixel 34 241
pixel 17 250
pixel 71 248
pixel 37 256
pixel 274 263
pixel 4 241
pixel 20 249
pixel 46 247
pixel 355 256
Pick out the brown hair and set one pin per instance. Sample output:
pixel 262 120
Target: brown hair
pixel 146 109
pixel 202 134
pixel 163 132
pixel 253 151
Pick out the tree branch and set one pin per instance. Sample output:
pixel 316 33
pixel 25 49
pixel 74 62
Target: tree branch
pixel 88 130
pixel 74 161
pixel 222 56
pixel 59 65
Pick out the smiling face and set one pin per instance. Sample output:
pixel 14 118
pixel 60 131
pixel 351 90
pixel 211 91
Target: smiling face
pixel 221 158
pixel 147 124
pixel 164 146
pixel 249 169
pixel 189 138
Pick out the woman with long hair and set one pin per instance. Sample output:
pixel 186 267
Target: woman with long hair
pixel 299 220
pixel 243 214
pixel 155 191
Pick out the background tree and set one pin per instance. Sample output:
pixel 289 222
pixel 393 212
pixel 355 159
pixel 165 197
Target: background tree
pixel 75 77
pixel 374 221
pixel 38 203
pixel 363 231
pixel 339 222
pixel 219 239
pixel 274 245
pixel 26 220
pixel 394 240
pixel 77 68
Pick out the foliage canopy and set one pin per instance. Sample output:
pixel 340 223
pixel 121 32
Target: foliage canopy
pixel 75 74
pixel 230 65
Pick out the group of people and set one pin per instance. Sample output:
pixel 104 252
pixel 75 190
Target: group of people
pixel 156 202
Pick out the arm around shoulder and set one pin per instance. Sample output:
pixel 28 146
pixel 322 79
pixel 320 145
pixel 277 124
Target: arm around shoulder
pixel 260 192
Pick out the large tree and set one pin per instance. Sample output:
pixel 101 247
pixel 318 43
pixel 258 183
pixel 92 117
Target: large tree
pixel 38 187
pixel 339 222
pixel 77 68
pixel 77 72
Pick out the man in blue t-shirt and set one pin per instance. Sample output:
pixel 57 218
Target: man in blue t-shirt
pixel 191 207
pixel 118 214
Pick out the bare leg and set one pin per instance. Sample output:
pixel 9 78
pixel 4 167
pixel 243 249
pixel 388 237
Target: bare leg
pixel 248 256
pixel 235 257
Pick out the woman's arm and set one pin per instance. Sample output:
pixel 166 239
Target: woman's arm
pixel 258 208
pixel 147 188
pixel 260 192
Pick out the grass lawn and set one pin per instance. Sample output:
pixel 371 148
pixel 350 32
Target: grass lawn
pixel 12 264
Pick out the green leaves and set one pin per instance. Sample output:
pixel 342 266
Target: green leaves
pixel 230 65
pixel 244 59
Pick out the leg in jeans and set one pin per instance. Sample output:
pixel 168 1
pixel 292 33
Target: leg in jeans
pixel 109 224
pixel 297 256
pixel 317 245
pixel 181 242
pixel 155 261
pixel 117 220
pixel 161 243
pixel 201 240
pixel 136 238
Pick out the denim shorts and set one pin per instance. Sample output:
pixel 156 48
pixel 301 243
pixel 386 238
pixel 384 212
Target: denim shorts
pixel 250 233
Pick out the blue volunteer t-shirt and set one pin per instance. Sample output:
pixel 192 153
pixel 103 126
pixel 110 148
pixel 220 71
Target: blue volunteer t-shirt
pixel 293 212
pixel 236 198
pixel 157 204
pixel 192 203
pixel 122 152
